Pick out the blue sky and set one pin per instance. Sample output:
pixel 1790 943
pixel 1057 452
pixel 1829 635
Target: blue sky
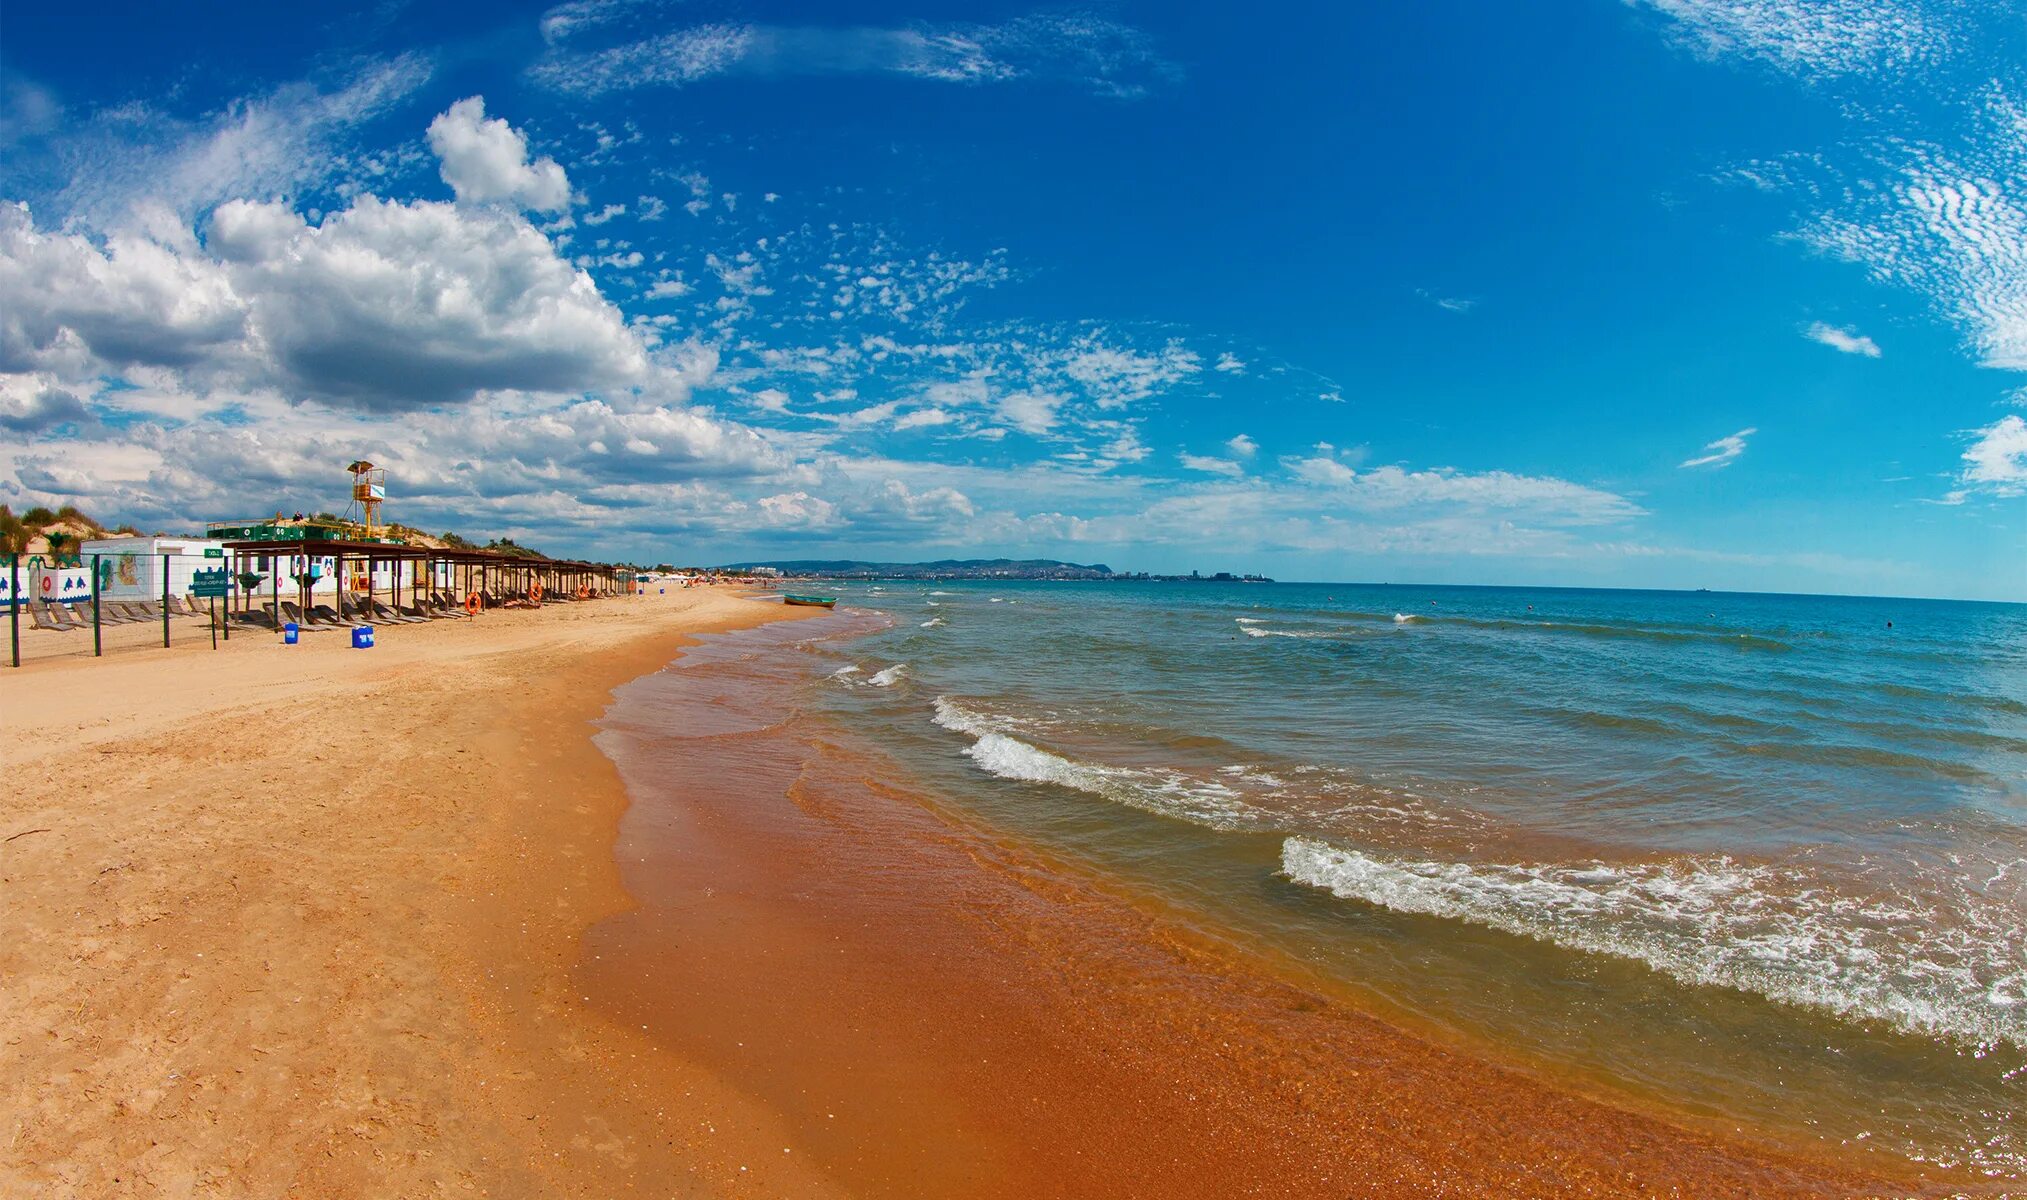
pixel 1674 293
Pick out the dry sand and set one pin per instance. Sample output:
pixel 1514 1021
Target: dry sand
pixel 313 922
pixel 300 922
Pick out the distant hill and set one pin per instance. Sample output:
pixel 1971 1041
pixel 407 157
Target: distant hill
pixel 947 568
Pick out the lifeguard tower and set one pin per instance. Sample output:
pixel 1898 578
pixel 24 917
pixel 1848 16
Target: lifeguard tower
pixel 369 490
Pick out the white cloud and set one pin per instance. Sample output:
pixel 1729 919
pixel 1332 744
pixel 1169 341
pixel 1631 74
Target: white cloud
pixel 1230 364
pixel 486 162
pixel 1215 466
pixel 1722 451
pixel 32 403
pixel 604 214
pixel 392 305
pixel 1321 470
pixel 1997 460
pixel 75 307
pixel 1033 413
pixel 128 164
pixel 1100 55
pixel 923 418
pixel 1848 341
pixel 1955 234
pixel 798 510
pixel 1926 184
pixel 1115 376
pixel 577 17
pixel 1243 446
pixel 1453 304
pixel 1828 37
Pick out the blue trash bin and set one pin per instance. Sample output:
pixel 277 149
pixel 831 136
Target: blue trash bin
pixel 290 634
pixel 362 637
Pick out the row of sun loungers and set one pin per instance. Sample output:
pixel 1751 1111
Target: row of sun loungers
pixel 431 606
pixel 47 614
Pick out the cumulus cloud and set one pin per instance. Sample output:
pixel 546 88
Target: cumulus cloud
pixel 392 305
pixel 383 305
pixel 30 404
pixel 1214 466
pixel 486 161
pixel 923 418
pixel 1243 446
pixel 1321 469
pixel 1722 451
pixel 1847 341
pixel 81 306
pixel 1996 460
pixel 1033 413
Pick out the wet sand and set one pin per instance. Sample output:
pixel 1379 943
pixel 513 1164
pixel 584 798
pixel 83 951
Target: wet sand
pixel 317 922
pixel 938 1012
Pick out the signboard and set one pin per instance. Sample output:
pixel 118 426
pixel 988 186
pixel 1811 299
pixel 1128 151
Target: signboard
pixel 214 552
pixel 210 585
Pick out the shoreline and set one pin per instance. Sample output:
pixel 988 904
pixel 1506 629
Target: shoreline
pixel 369 931
pixel 1035 1030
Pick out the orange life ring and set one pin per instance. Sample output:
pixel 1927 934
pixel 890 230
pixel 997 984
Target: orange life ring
pixel 535 591
pixel 473 604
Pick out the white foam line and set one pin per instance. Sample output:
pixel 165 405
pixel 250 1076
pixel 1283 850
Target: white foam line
pixel 1714 922
pixel 1204 802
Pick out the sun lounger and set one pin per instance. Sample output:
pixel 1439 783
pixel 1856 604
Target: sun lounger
pixel 109 614
pixel 43 615
pixel 376 611
pixel 302 620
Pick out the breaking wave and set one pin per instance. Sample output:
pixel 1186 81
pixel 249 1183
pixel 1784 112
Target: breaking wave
pixel 1775 931
pixel 1167 793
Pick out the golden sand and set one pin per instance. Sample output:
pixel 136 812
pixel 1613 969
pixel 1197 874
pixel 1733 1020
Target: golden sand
pixel 320 922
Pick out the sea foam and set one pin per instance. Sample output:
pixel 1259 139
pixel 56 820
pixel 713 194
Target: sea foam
pixel 1167 793
pixel 1769 930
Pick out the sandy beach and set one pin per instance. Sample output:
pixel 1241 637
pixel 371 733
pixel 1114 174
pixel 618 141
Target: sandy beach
pixel 301 922
pixel 317 922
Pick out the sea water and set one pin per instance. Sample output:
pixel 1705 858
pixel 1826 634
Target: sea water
pixel 1758 861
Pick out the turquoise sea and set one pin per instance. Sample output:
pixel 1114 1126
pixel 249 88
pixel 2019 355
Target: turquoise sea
pixel 1756 860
